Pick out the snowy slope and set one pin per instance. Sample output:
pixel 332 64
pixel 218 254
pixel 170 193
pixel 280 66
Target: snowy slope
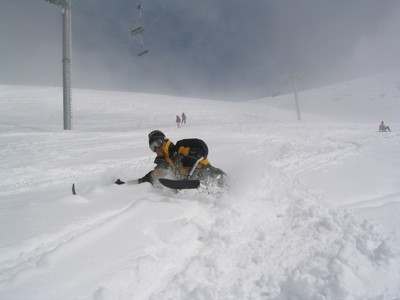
pixel 364 100
pixel 312 212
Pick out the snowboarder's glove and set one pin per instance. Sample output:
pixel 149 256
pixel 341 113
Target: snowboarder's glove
pixel 119 182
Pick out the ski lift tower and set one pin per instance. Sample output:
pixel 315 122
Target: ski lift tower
pixel 294 78
pixel 66 60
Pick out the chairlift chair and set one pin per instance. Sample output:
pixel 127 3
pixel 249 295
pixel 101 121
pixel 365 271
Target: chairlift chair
pixel 138 30
pixel 143 52
pixel 138 26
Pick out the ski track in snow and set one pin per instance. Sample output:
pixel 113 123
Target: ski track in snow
pixel 34 251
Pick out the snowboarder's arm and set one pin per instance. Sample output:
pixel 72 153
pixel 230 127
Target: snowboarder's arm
pixel 146 178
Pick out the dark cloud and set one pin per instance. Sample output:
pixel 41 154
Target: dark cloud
pixel 226 48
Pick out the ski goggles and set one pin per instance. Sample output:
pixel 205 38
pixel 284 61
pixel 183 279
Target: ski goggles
pixel 157 143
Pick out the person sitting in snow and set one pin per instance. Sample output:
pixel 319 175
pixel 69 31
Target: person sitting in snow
pixel 179 160
pixel 383 127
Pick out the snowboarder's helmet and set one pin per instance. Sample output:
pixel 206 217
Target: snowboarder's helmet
pixel 156 139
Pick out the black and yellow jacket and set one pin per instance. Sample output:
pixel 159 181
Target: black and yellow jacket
pixel 179 157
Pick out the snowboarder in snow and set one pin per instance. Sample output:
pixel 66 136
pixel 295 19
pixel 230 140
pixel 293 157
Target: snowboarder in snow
pixel 383 127
pixel 187 158
pixel 183 118
pixel 178 121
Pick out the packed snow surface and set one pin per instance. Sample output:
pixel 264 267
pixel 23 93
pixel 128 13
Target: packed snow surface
pixel 312 212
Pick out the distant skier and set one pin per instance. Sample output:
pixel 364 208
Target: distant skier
pixel 178 121
pixel 183 118
pixel 383 127
pixel 178 160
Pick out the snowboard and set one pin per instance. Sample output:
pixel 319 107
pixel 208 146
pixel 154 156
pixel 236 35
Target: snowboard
pixel 179 184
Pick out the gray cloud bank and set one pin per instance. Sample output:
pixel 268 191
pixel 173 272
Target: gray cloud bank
pixel 231 49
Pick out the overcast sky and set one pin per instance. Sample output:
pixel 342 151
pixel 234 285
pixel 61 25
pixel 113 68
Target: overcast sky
pixel 209 48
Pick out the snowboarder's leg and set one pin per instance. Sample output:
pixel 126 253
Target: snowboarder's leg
pixel 215 180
